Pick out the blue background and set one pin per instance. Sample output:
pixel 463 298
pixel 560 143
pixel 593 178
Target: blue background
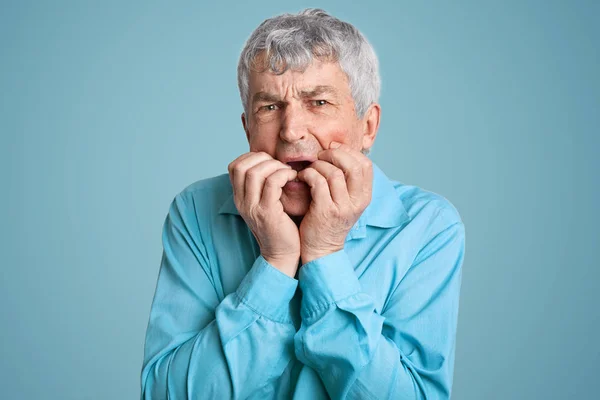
pixel 109 109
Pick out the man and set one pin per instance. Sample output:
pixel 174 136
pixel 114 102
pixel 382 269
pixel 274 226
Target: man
pixel 305 272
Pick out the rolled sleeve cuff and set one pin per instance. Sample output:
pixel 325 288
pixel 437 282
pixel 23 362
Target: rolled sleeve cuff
pixel 268 291
pixel 325 281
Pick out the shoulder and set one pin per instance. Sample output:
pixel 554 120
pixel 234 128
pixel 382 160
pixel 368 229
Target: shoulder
pixel 396 204
pixel 203 199
pixel 425 204
pixel 434 222
pixel 416 203
pixel 427 213
pixel 209 189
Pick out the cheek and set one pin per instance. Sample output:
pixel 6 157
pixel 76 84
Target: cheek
pixel 263 140
pixel 341 134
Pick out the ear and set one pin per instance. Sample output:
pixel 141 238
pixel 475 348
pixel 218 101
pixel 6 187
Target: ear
pixel 370 125
pixel 245 125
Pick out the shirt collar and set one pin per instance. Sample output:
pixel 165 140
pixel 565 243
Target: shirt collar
pixel 385 210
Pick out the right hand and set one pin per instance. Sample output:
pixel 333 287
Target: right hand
pixel 258 180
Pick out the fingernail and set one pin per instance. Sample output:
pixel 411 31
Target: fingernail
pixel 334 145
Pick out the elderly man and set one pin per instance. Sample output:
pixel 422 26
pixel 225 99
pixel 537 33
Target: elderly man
pixel 305 272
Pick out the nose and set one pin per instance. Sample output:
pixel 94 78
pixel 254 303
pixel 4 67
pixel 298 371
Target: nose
pixel 293 126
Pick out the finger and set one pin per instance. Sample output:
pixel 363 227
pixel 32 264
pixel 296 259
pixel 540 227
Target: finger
pixel 356 166
pixel 239 171
pixel 335 179
pixel 274 184
pixel 232 165
pixel 319 189
pixel 364 161
pixel 256 177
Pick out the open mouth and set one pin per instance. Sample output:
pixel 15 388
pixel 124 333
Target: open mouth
pixel 298 166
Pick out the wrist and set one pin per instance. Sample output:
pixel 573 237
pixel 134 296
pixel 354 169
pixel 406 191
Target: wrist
pixel 287 265
pixel 310 255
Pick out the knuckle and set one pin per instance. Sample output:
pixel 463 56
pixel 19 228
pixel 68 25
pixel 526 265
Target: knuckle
pixel 270 182
pixel 237 169
pixel 252 174
pixel 232 168
pixel 337 174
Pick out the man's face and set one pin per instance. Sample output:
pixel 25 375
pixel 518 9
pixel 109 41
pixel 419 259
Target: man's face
pixel 295 115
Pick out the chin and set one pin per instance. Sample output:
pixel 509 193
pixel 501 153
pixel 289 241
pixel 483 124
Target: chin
pixel 296 206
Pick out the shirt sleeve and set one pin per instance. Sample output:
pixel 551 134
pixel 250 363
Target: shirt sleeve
pixel 200 347
pixel 407 351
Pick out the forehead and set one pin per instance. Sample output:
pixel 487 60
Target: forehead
pixel 318 73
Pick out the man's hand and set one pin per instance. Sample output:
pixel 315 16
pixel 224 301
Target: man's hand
pixel 340 184
pixel 258 180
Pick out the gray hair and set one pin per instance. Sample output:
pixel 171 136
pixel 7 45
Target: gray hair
pixel 290 41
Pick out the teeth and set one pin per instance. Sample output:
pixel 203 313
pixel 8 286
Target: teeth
pixel 296 180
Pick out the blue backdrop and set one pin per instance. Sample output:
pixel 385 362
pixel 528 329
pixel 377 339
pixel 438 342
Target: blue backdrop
pixel 108 109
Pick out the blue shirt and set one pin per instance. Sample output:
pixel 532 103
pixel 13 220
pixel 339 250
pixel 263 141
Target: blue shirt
pixel 376 320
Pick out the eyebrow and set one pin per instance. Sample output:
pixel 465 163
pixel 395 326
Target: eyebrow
pixel 265 97
pixel 307 93
pixel 318 90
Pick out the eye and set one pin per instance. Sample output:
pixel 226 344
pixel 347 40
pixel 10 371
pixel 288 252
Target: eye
pixel 319 102
pixel 270 107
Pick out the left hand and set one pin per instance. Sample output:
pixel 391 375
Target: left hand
pixel 340 183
